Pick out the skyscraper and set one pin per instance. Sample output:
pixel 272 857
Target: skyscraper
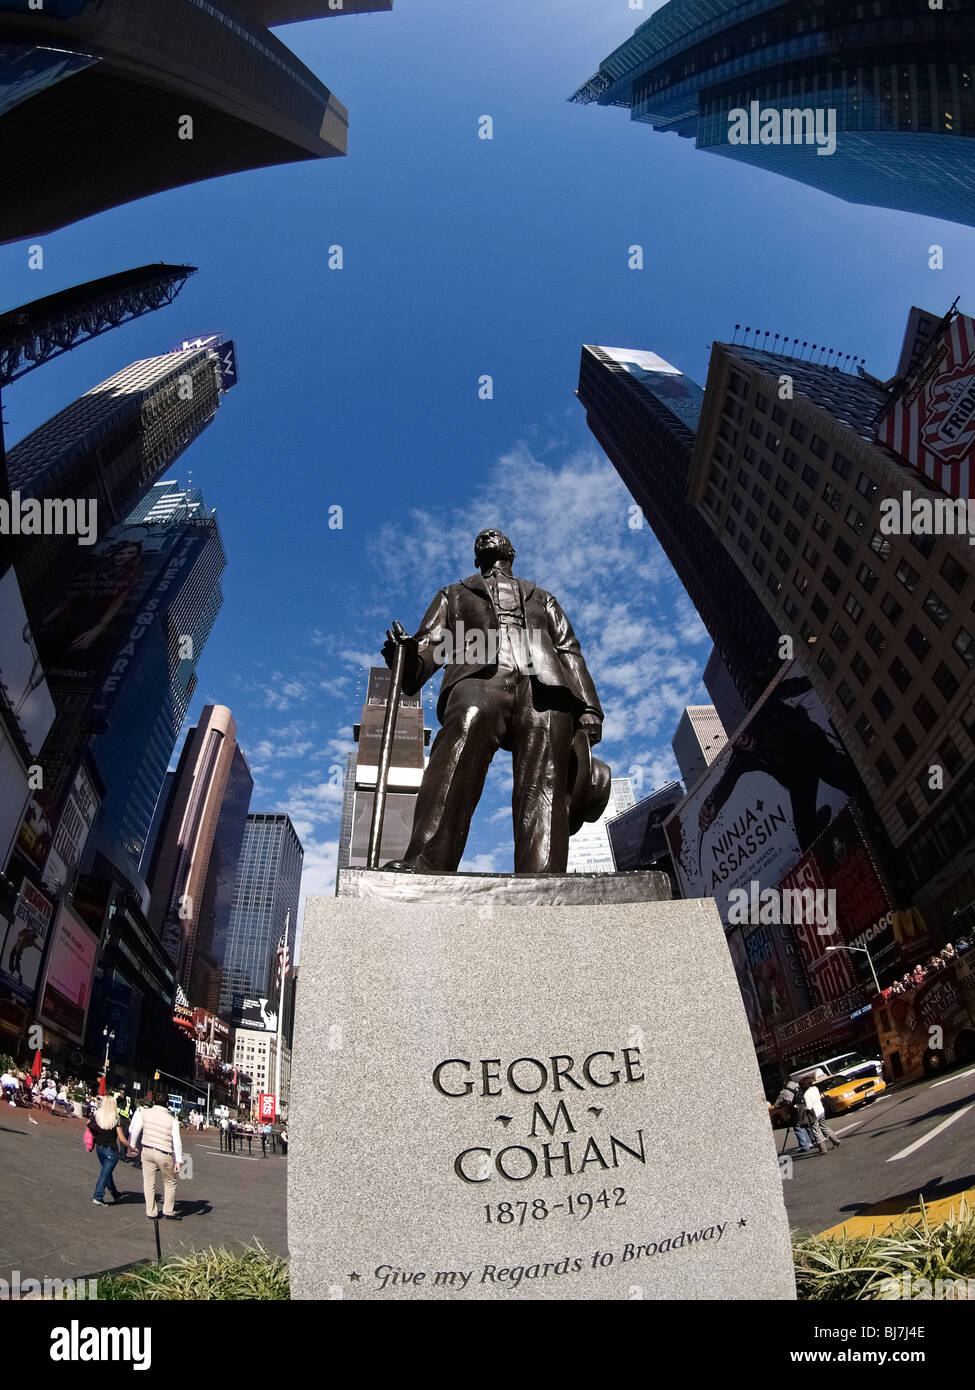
pixel 405 774
pixel 731 708
pixel 274 12
pixel 589 847
pixel 266 891
pixel 193 869
pixel 148 594
pixel 103 103
pixel 897 78
pixel 699 738
pixel 644 413
pixel 794 486
pixel 108 447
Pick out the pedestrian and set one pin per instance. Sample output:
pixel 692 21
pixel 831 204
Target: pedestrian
pixel 788 1102
pixel 123 1102
pixel 813 1114
pixel 106 1133
pixel 156 1131
pixel 224 1134
pixel 9 1085
pixel 283 1136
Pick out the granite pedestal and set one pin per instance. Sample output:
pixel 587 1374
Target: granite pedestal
pixel 554 1101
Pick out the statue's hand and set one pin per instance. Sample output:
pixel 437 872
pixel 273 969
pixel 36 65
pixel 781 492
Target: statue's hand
pixel 593 726
pixel 395 639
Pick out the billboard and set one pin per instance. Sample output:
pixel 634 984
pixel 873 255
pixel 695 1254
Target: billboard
pixel 89 637
pixel 20 670
pixel 932 423
pixel 762 802
pixel 753 1011
pixel 67 981
pixel 212 1036
pixel 23 941
pixel 254 1013
pixel 266 1108
pixel 840 860
pixel 636 836
pixel 77 816
pixel 681 396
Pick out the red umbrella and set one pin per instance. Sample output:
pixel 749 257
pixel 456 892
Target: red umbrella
pixel 101 1085
pixel 35 1070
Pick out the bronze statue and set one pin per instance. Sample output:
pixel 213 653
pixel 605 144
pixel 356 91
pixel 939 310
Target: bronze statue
pixel 514 678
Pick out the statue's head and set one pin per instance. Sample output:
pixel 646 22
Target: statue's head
pixel 492 545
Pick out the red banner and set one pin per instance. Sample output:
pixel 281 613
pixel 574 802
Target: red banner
pixel 266 1108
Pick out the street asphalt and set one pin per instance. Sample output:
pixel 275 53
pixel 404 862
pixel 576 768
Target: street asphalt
pixel 51 1229
pixel 915 1139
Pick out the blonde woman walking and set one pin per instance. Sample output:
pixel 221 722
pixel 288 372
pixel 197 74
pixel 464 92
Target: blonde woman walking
pixel 106 1132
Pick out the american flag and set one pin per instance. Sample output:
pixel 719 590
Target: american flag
pixel 284 959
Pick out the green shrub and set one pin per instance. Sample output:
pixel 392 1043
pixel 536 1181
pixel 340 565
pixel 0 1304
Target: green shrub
pixel 247 1275
pixel 861 1267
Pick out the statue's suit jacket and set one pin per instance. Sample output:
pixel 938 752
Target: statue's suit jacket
pixel 555 650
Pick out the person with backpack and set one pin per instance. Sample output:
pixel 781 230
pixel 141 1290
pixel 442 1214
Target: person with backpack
pixel 788 1103
pixel 812 1114
pixel 105 1134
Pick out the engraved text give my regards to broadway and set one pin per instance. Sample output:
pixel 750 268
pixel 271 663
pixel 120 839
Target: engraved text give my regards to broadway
pixel 563 1077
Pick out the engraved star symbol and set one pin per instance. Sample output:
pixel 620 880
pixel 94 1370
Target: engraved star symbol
pixel 504 1119
pixel 759 805
pixel 595 1110
pixel 742 1221
pixel 354 1277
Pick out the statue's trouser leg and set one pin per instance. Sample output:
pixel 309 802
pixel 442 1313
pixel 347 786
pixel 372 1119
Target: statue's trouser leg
pixel 474 724
pixel 542 738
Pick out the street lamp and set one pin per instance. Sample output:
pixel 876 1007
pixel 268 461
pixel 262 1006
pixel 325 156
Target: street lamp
pixel 873 972
pixel 109 1038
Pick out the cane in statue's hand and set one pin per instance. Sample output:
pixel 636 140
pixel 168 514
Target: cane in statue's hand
pixel 394 653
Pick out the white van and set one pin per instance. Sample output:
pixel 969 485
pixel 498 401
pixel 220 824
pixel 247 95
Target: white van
pixel 845 1067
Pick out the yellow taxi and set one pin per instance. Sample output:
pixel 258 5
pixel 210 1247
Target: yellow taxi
pixel 841 1094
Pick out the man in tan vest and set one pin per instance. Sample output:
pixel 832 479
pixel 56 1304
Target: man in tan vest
pixel 156 1131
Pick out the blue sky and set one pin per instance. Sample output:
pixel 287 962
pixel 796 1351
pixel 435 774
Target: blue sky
pixel 359 387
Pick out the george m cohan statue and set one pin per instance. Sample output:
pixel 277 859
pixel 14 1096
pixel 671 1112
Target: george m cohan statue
pixel 514 678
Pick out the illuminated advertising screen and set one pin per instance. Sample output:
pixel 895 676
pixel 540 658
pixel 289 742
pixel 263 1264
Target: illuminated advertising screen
pixel 841 861
pixel 23 942
pixel 254 1013
pixel 67 980
pixel 670 387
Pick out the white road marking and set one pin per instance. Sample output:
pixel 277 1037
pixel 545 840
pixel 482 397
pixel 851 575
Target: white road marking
pixel 945 1079
pixel 848 1128
pixel 939 1129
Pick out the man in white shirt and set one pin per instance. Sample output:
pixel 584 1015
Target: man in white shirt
pixel 162 1153
pixel 814 1114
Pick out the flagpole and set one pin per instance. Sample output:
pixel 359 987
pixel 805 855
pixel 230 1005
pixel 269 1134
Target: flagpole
pixel 277 1060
